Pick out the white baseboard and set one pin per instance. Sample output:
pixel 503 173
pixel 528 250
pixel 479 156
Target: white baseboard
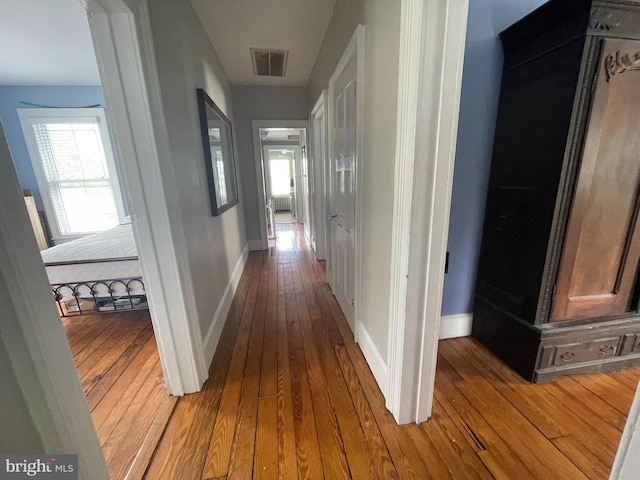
pixel 371 354
pixel 453 326
pixel 215 329
pixel 255 245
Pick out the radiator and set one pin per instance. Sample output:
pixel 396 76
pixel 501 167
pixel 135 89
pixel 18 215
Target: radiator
pixel 281 203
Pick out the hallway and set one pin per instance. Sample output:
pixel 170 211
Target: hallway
pixel 290 396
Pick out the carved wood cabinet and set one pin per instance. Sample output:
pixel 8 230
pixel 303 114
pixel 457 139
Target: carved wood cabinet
pixel 557 289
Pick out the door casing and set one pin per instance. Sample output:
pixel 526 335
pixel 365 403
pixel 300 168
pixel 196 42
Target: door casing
pixel 318 165
pixel 355 48
pixel 262 243
pixel 267 172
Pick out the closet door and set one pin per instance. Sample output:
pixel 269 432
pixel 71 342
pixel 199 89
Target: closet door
pixel 602 245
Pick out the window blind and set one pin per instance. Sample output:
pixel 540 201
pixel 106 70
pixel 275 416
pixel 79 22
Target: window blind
pixel 76 170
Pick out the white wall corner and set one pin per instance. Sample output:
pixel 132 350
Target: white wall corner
pixel 215 329
pixel 375 361
pixel 126 57
pixel 454 326
pixel 409 90
pixel 432 37
pixel 447 22
pixel 627 463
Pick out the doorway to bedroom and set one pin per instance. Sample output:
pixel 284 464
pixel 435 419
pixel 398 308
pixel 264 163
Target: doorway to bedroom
pixel 52 109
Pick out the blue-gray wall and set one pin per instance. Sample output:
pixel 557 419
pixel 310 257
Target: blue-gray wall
pixel 10 98
pixel 478 108
pixel 260 103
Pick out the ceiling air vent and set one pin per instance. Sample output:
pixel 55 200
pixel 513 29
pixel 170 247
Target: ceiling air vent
pixel 270 63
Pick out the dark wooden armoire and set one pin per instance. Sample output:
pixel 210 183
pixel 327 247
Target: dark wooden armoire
pixel 557 288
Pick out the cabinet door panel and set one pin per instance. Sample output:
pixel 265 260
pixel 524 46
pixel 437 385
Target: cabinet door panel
pixel 602 246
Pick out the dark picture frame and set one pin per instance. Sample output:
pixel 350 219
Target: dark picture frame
pixel 219 157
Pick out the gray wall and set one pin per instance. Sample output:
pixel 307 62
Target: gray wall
pixel 260 103
pixel 381 19
pixel 346 16
pixel 478 109
pixel 187 61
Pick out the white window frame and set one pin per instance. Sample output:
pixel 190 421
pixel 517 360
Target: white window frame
pixel 32 116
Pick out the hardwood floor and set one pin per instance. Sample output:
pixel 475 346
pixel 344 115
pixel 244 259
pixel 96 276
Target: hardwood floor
pixel 119 369
pixel 290 396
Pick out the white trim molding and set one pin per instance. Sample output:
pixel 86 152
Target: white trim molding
pixel 123 42
pixel 256 125
pixel 219 318
pixel 454 326
pixel 411 50
pixel 375 361
pixel 320 169
pixel 360 106
pixel 627 463
pixel 432 38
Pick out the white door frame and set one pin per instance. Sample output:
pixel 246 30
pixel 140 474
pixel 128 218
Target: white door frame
pixel 256 125
pixel 432 40
pixel 34 337
pixel 626 464
pixel 297 154
pixel 355 47
pixel 319 168
pixel 124 50
pixel 123 42
pixel 306 177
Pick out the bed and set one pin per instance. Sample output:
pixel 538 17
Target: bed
pixel 97 273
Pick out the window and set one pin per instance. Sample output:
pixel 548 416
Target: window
pixel 280 162
pixel 71 153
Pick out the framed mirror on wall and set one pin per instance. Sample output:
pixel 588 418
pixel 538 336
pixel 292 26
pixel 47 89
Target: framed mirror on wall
pixel 219 157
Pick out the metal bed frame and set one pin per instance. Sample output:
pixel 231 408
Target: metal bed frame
pixel 99 296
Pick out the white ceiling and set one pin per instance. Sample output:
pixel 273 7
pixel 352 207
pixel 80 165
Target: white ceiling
pixel 45 42
pixel 235 26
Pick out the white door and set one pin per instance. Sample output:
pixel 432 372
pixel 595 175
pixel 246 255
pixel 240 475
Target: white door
pixel 342 197
pixel 318 170
pixel 307 216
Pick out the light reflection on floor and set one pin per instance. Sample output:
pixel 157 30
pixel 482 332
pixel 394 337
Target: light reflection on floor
pixel 287 235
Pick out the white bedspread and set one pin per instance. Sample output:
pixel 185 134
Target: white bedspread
pixel 115 243
pixel 112 244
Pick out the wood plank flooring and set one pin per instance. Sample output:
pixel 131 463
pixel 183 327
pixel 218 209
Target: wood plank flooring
pixel 291 396
pixel 120 372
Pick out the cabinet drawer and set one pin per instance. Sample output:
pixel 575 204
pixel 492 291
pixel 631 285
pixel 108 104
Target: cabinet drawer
pixel 586 351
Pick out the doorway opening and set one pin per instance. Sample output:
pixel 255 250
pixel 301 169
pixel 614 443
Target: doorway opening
pixel 67 168
pixel 281 185
pixel 282 167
